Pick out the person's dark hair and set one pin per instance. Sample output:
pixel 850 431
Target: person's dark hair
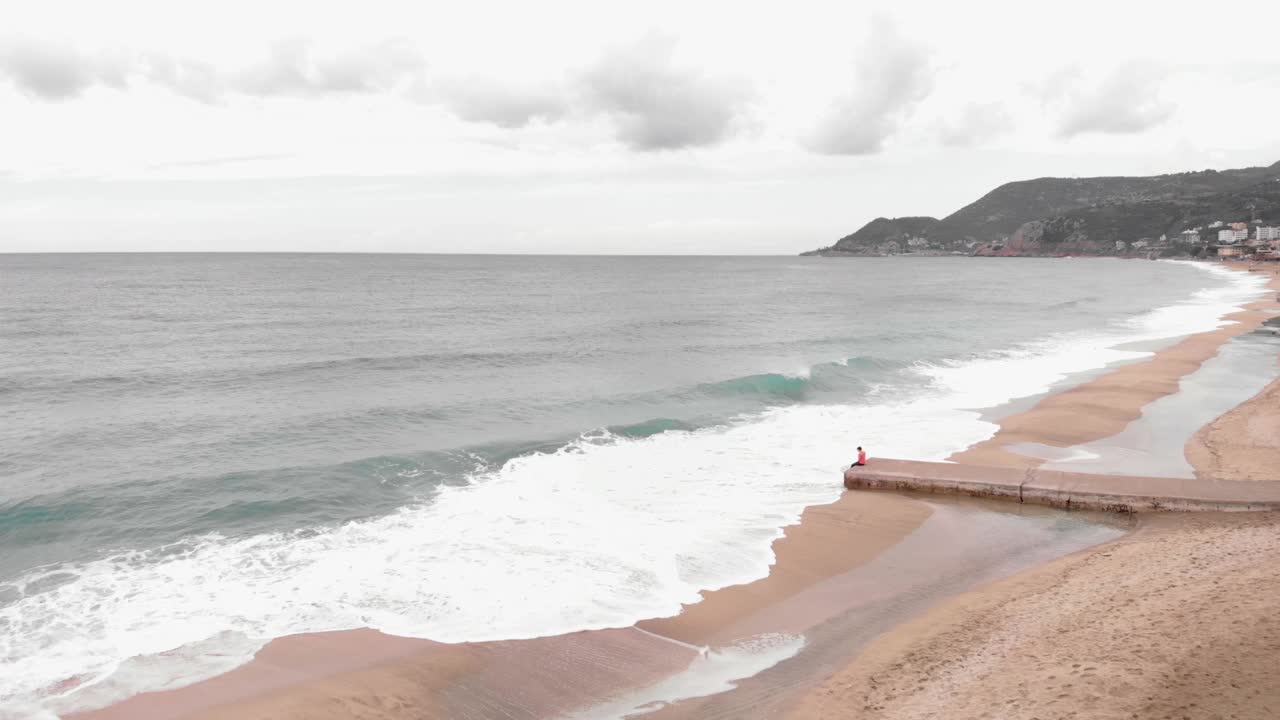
pixel 859 447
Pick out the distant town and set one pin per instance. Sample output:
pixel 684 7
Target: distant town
pixel 1228 240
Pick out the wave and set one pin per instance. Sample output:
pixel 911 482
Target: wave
pixel 75 388
pixel 645 429
pixel 765 384
pixel 844 377
pixel 598 532
pixel 1066 304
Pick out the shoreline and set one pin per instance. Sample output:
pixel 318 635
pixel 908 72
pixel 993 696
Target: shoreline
pixel 848 572
pixel 1104 405
pixel 365 674
pixel 311 674
pixel 1103 633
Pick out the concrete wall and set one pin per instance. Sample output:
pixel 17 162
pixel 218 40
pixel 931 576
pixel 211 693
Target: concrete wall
pixel 1116 493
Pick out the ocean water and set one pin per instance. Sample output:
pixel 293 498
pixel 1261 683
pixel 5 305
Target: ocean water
pixel 201 452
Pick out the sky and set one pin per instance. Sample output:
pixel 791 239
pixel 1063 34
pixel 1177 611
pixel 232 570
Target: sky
pixel 585 127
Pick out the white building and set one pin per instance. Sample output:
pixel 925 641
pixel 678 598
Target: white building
pixel 1121 246
pixel 1215 224
pixel 1228 236
pixel 916 242
pixel 1268 233
pixel 1190 237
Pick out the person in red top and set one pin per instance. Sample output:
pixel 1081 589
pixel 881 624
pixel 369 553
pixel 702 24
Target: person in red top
pixel 862 457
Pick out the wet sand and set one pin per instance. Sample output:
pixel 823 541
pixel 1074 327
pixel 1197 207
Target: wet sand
pixel 831 540
pixel 1243 444
pixel 1105 405
pixel 1174 621
pixel 365 674
pixel 847 573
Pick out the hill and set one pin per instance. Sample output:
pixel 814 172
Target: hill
pixel 1097 229
pixel 875 234
pixel 1079 212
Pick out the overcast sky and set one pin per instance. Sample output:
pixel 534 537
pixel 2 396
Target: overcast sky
pixel 663 127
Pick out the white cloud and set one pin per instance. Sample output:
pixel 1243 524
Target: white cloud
pixel 657 104
pixel 891 75
pixel 974 123
pixel 293 68
pixel 478 99
pixel 296 67
pixel 53 72
pixel 1126 100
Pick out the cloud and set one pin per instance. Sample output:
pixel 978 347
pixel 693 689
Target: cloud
pixel 890 77
pixel 188 78
pixel 974 123
pixel 56 73
pixel 1124 101
pixel 655 104
pixel 477 100
pixel 295 68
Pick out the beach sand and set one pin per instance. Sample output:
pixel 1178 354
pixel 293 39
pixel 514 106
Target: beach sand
pixel 365 674
pixel 830 540
pixel 1243 444
pixel 1103 406
pixel 1177 620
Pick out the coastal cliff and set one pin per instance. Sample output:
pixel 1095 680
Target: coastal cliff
pixel 1078 216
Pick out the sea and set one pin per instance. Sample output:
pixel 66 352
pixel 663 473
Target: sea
pixel 199 453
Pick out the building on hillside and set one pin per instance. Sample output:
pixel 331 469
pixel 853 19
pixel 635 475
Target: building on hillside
pixel 1139 244
pixel 1121 246
pixel 918 242
pixel 1190 237
pixel 1268 233
pixel 1239 226
pixel 1232 236
pixel 1230 252
pixel 1215 224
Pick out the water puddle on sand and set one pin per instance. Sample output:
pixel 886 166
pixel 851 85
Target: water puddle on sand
pixel 1154 444
pixel 965 543
pixel 712 672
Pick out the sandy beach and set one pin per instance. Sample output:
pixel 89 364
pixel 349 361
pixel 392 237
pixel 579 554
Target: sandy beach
pixel 847 573
pixel 1243 444
pixel 363 674
pixel 1175 620
pixel 1099 633
pixel 1103 406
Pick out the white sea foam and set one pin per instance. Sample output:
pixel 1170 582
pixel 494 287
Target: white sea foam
pixel 711 673
pixel 600 533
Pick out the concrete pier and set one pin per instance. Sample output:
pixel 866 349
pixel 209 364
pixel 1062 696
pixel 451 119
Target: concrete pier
pixel 1056 488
